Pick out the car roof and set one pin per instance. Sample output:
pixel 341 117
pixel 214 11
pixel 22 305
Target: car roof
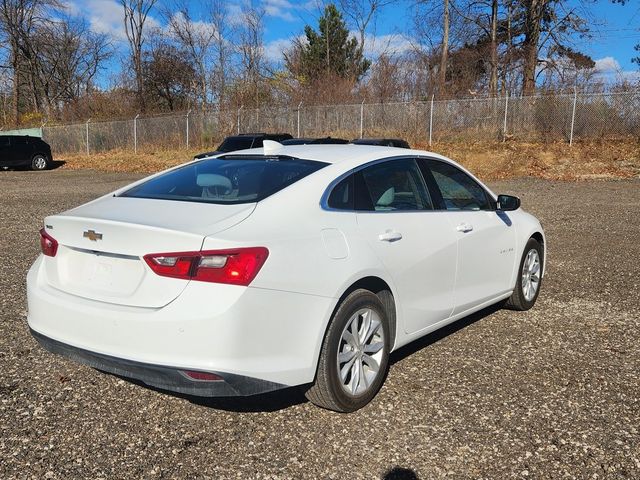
pixel 334 154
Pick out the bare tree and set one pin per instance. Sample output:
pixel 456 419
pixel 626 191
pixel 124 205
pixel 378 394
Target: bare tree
pixel 224 37
pixel 193 37
pixel 19 19
pixel 136 13
pixel 68 58
pixel 444 49
pixel 362 14
pixel 251 47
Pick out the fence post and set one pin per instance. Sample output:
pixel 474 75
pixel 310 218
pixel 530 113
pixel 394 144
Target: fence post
pixel 362 119
pixel 299 106
pixel 239 110
pixel 573 115
pixel 87 128
pixel 42 128
pixel 504 122
pixel 135 134
pixel 188 113
pixel 431 119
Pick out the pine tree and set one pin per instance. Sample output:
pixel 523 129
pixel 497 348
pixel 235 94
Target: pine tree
pixel 329 51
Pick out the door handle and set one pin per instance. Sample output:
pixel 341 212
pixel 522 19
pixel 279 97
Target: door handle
pixel 390 236
pixel 464 227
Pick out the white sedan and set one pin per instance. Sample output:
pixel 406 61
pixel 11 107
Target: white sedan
pixel 267 268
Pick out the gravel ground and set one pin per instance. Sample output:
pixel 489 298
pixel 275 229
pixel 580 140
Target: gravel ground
pixel 549 393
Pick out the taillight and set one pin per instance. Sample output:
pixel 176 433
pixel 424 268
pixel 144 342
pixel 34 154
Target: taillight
pixel 201 376
pixel 48 244
pixel 237 267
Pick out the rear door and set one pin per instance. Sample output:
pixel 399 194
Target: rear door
pixel 19 151
pixel 414 243
pixel 486 238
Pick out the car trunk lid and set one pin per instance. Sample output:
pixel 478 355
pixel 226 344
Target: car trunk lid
pixel 101 245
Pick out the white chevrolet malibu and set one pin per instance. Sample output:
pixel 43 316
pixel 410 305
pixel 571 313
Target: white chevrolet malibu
pixel 267 268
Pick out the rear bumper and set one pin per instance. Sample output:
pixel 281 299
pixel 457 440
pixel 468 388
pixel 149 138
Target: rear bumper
pixel 265 335
pixel 160 376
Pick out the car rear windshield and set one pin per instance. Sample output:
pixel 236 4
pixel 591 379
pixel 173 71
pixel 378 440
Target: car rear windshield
pixel 226 180
pixel 231 144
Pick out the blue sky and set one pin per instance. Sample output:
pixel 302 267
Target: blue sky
pixel 614 29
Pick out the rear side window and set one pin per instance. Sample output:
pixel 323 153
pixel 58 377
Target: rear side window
pixel 226 181
pixel 396 185
pixel 458 190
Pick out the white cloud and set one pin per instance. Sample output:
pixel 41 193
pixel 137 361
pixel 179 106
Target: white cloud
pixel 607 65
pixel 374 46
pixel 284 9
pixel 274 50
pixel 105 16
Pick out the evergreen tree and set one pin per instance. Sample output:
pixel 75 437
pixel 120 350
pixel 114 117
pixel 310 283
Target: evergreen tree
pixel 328 51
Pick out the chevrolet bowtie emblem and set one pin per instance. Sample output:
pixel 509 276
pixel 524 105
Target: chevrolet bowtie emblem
pixel 92 235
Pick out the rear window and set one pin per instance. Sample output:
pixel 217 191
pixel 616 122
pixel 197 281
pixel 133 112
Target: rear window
pixel 231 144
pixel 226 181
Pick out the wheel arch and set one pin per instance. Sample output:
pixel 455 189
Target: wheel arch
pixel 376 285
pixel 539 237
pixel 383 290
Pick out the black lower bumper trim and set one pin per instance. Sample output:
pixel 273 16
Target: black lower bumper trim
pixel 159 376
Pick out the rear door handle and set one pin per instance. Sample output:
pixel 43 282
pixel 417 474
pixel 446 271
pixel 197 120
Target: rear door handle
pixel 464 227
pixel 390 236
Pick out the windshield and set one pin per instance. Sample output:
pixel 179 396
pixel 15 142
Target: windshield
pixel 226 181
pixel 231 144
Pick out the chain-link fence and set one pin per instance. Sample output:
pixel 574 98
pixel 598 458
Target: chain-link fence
pixel 539 118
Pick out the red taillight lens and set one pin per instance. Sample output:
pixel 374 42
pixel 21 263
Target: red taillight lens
pixel 201 376
pixel 237 267
pixel 48 244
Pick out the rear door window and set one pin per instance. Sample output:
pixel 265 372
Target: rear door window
pixel 226 181
pixel 396 185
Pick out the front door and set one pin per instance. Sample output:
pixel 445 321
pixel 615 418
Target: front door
pixel 486 237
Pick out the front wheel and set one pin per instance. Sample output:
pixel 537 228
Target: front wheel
pixel 39 162
pixel 529 277
pixel 355 354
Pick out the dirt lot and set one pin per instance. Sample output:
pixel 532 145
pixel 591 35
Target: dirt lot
pixel 553 392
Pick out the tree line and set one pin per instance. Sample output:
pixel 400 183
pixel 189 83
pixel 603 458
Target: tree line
pixel 210 54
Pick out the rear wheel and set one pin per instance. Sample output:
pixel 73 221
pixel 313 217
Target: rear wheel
pixel 355 355
pixel 529 278
pixel 39 162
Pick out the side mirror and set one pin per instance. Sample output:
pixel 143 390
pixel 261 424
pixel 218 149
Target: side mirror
pixel 507 203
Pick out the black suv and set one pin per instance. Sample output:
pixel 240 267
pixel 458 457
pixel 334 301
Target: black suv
pixel 244 141
pixel 24 151
pixel 315 141
pixel 382 142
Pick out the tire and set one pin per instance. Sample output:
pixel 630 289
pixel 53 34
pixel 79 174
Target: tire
pixel 358 381
pixel 529 278
pixel 39 162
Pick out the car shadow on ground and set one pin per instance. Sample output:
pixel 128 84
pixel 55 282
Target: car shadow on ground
pixel 282 399
pixel 56 164
pixel 52 166
pixel 441 333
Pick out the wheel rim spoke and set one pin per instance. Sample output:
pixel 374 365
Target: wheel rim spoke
pixel 373 347
pixel 530 274
pixel 371 363
pixel 361 351
pixel 346 356
pixel 346 369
